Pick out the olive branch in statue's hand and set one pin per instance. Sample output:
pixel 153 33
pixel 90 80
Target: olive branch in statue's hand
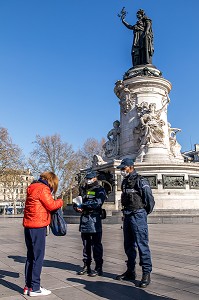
pixel 122 14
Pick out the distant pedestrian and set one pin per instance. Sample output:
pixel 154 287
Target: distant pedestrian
pixel 93 197
pixel 137 200
pixel 39 203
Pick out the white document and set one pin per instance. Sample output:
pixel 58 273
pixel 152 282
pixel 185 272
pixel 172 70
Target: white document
pixel 78 200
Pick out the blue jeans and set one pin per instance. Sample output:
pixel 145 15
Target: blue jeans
pixel 135 231
pixel 35 239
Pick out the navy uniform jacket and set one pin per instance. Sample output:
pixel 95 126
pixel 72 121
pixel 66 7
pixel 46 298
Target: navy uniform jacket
pixel 93 197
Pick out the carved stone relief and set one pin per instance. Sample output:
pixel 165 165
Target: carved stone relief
pixel 165 101
pixel 97 161
pixel 193 182
pixel 150 126
pixel 112 146
pixel 173 181
pixel 152 181
pixel 175 147
pixel 148 72
pixel 127 99
pixel 127 105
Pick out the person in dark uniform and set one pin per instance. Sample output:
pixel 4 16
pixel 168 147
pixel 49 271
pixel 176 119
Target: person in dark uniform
pixel 136 193
pixel 93 197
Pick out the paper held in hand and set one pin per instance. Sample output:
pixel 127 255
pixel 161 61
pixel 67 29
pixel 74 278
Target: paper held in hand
pixel 78 200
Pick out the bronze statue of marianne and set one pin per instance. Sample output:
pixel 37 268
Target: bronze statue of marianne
pixel 142 48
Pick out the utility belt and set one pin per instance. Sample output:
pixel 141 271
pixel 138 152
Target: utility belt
pixel 101 213
pixel 89 212
pixel 129 213
pixel 92 211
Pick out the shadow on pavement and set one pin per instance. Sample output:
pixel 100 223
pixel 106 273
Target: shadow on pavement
pixel 4 273
pixel 112 291
pixel 57 264
pixel 7 284
pixel 108 290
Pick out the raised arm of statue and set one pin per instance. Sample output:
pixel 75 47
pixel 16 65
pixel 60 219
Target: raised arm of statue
pixel 176 129
pixel 131 27
pixel 173 131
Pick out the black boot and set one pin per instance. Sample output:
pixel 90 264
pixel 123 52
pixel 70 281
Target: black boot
pixel 128 275
pixel 97 272
pixel 85 270
pixel 89 271
pixel 145 280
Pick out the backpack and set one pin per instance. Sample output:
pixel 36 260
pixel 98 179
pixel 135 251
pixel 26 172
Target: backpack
pixel 58 225
pixel 147 198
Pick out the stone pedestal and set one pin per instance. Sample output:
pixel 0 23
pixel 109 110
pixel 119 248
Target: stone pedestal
pixel 145 135
pixel 144 97
pixel 156 154
pixel 175 186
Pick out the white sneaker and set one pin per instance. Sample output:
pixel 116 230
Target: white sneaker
pixel 41 292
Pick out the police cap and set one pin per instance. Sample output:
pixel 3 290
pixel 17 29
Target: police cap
pixel 91 174
pixel 126 162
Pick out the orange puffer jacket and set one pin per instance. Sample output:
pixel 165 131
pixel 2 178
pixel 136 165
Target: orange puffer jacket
pixel 39 204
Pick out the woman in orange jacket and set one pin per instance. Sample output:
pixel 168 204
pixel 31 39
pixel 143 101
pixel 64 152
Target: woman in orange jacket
pixel 37 216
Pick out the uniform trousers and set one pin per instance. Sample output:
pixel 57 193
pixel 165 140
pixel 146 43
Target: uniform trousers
pixel 92 241
pixel 135 229
pixel 35 239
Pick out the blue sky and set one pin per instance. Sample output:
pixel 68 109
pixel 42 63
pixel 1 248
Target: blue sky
pixel 60 59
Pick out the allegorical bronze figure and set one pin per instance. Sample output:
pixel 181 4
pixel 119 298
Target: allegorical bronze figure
pixel 142 48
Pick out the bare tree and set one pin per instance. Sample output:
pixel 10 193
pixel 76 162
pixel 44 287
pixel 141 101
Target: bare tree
pixel 51 154
pixel 91 147
pixel 12 165
pixel 10 154
pixel 82 159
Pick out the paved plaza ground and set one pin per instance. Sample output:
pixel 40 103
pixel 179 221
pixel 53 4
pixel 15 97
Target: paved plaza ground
pixel 175 254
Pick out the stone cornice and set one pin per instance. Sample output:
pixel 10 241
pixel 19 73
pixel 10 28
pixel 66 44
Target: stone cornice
pixel 144 82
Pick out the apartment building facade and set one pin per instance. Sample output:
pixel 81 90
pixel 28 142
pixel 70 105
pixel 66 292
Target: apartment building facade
pixel 13 185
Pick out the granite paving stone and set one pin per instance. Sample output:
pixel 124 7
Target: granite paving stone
pixel 175 258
